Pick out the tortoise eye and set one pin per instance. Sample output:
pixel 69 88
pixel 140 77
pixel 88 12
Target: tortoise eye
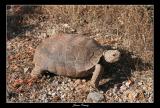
pixel 114 54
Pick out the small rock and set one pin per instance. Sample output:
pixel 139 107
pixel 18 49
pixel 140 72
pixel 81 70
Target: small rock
pixel 128 83
pixel 133 56
pixel 69 80
pixel 144 87
pixel 139 83
pixel 73 30
pixel 67 89
pixel 101 92
pixel 53 94
pixel 115 89
pixel 41 24
pixel 63 96
pixel 58 88
pixel 43 97
pixel 115 46
pixel 63 83
pixel 123 88
pixel 110 94
pixel 77 82
pixel 26 69
pixel 82 88
pixel 13 33
pixel 66 25
pixel 71 84
pixel 48 76
pixel 83 81
pixel 50 93
pixel 120 100
pixel 150 99
pixel 56 98
pixel 95 97
pixel 27 33
pixel 130 96
pixel 43 35
pixel 72 88
pixel 46 100
pixel 50 32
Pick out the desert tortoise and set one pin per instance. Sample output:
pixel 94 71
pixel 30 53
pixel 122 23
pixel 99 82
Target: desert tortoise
pixel 73 56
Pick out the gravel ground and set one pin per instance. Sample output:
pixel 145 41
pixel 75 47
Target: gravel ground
pixel 122 82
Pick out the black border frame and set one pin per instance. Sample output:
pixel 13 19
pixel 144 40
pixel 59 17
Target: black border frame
pixel 85 2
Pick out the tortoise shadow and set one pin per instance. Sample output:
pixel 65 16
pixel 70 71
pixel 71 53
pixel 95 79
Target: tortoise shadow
pixel 123 69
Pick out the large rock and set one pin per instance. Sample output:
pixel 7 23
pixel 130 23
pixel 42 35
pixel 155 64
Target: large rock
pixel 95 97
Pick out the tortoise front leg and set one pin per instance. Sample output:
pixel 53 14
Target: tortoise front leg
pixel 96 75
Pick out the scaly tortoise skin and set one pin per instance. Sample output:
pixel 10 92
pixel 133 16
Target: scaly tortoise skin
pixel 73 56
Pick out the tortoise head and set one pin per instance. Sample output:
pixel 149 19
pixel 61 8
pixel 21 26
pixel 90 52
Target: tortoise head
pixel 111 56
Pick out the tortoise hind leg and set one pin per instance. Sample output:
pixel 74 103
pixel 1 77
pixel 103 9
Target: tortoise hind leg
pixel 96 75
pixel 36 72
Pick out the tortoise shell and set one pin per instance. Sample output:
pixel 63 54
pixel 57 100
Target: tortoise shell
pixel 68 55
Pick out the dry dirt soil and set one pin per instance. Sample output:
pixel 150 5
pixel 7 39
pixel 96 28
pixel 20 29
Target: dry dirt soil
pixel 127 28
